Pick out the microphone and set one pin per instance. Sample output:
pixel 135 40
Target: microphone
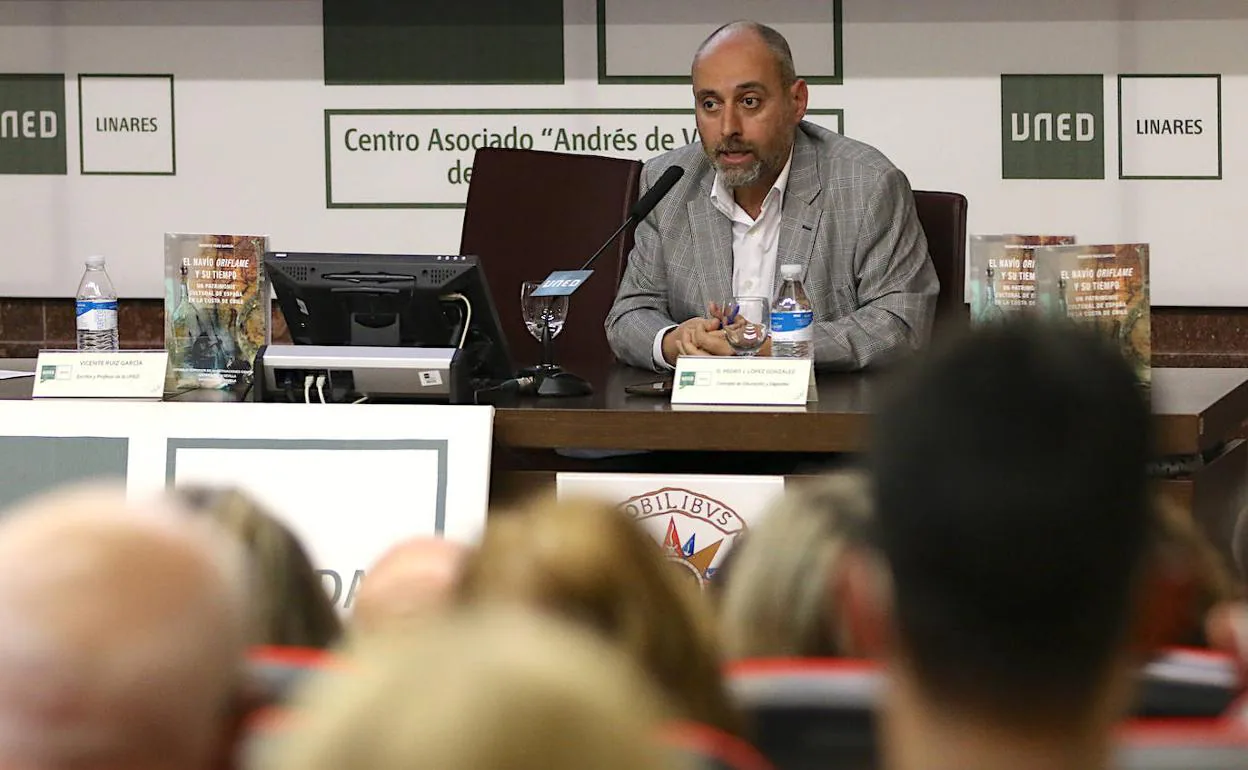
pixel 547 379
pixel 655 194
pixel 644 205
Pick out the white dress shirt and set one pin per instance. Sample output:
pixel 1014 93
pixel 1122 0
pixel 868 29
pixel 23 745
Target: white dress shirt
pixel 755 243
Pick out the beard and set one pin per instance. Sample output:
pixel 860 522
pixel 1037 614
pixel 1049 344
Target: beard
pixel 742 176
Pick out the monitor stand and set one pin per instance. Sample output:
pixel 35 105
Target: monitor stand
pixel 370 335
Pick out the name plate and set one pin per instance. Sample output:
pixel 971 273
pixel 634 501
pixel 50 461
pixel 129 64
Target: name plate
pixel 740 381
pixel 100 374
pixel 562 283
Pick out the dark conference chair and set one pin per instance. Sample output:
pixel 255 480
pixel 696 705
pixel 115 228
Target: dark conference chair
pixel 531 212
pixel 707 748
pixel 813 713
pixel 943 216
pixel 809 713
pixel 276 672
pixel 1198 744
pixel 1188 683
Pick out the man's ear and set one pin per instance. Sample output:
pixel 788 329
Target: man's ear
pixel 801 99
pixel 861 593
pixel 1166 611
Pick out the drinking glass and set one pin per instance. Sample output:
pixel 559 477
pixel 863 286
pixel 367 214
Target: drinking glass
pixel 746 321
pixel 551 311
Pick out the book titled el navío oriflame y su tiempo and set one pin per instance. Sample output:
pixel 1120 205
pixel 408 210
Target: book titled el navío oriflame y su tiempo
pixel 216 310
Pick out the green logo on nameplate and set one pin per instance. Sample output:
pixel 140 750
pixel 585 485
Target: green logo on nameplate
pixel 32 124
pixel 1052 127
pixel 687 379
pixel 47 373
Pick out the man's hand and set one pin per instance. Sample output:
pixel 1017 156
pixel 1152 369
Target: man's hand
pixel 728 319
pixel 695 337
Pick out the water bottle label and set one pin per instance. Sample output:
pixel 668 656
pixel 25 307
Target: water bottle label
pixel 791 321
pixel 97 315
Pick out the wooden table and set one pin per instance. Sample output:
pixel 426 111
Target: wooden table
pixel 1194 410
pixel 1198 415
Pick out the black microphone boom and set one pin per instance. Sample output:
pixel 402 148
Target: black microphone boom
pixel 642 207
pixel 547 378
pixel 655 194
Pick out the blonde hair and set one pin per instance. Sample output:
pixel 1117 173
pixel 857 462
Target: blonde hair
pixel 289 599
pixel 477 691
pixel 587 561
pixel 776 600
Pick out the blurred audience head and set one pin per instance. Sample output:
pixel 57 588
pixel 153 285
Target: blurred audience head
pixel 409 581
pixel 291 605
pixel 778 598
pixel 1239 546
pixel 589 562
pixel 1010 493
pixel 478 690
pixel 1199 576
pixel 124 635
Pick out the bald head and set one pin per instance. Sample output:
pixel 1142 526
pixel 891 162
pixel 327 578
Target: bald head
pixel 123 638
pixel 412 578
pixel 737 32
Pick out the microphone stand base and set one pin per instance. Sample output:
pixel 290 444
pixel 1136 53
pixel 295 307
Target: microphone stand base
pixel 563 385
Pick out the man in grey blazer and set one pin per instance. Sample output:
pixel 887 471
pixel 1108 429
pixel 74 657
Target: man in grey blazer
pixel 765 188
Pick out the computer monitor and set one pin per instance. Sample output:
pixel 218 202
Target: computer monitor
pixel 392 300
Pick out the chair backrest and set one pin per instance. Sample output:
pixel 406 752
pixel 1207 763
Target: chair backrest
pixel 1188 744
pixel 278 671
pixel 710 748
pixel 531 212
pixel 943 216
pixel 1183 683
pixel 809 713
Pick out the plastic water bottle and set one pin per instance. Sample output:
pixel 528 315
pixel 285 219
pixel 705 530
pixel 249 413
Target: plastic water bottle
pixel 792 317
pixel 96 308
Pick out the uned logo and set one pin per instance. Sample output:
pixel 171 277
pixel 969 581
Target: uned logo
pixel 694 531
pixel 32 124
pixel 1052 127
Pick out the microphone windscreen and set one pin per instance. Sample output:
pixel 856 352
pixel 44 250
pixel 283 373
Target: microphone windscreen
pixel 655 194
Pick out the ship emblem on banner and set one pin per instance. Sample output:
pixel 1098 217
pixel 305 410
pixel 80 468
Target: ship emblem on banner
pixel 691 528
pixel 695 519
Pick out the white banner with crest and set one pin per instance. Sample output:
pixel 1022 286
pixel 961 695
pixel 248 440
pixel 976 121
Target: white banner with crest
pixel 695 519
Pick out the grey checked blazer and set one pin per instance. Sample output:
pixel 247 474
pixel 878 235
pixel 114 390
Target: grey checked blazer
pixel 848 219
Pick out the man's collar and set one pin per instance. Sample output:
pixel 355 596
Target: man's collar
pixel 723 198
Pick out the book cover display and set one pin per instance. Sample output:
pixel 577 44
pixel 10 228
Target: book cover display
pixel 1003 273
pixel 1105 285
pixel 216 310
